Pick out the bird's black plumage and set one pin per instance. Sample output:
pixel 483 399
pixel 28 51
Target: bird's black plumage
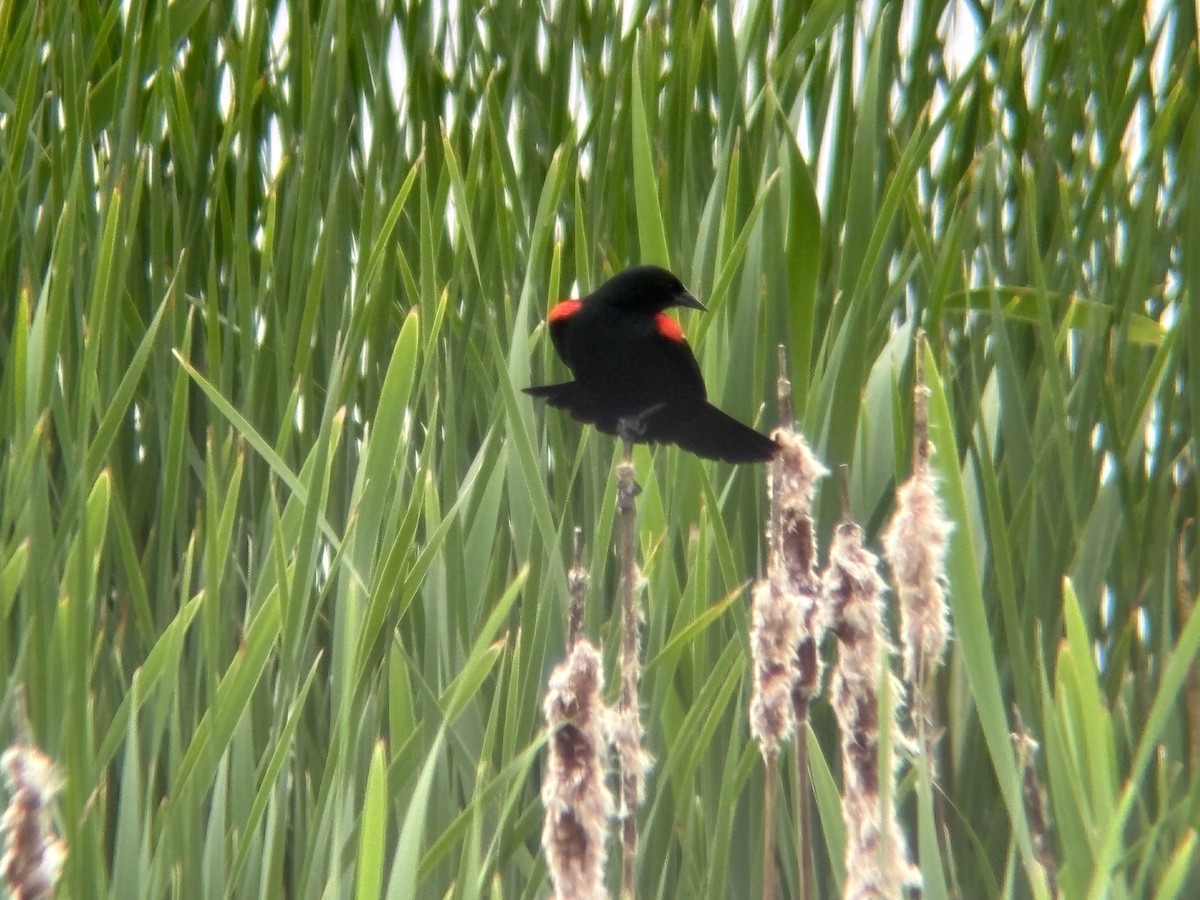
pixel 631 362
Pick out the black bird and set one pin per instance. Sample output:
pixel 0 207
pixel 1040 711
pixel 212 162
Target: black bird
pixel 631 362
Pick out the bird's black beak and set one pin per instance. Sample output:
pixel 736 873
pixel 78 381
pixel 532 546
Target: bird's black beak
pixel 684 298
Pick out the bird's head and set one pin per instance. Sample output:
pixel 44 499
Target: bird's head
pixel 647 289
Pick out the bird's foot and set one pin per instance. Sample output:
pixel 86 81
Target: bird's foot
pixel 631 428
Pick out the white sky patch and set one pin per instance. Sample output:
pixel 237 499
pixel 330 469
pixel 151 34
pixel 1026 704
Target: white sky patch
pixel 139 452
pixel 1108 469
pixel 1152 431
pixel 939 152
pixel 542 46
pixel 860 44
pixel 280 29
pixel 907 34
pixel 365 123
pixel 396 73
pixel 514 145
pixel 1133 141
pixel 1143 625
pixel 577 100
pixel 452 50
pixel 1157 26
pixel 274 146
pixel 828 133
pixel 352 295
pixel 1108 607
pixel 960 33
pixel 225 88
pixel 628 11
pixel 1171 290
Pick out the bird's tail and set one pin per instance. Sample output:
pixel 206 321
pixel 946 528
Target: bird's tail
pixel 703 429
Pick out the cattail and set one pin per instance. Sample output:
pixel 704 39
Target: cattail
pixel 876 855
pixel 787 627
pixel 915 546
pixel 33 853
pixel 577 801
pixel 788 616
pixel 627 730
pixel 773 639
pixel 792 566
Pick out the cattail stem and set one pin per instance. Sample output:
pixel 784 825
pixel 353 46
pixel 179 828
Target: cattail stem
pixel 629 724
pixel 577 585
pixel 804 849
pixel 915 546
pixel 783 390
pixel 770 780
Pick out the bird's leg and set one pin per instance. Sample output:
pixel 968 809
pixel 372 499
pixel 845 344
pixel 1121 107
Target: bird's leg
pixel 634 489
pixel 630 428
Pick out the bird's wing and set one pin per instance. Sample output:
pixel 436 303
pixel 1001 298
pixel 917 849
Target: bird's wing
pixel 679 361
pixel 559 320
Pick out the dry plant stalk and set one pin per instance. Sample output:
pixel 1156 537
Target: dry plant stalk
pixel 1034 798
pixel 915 548
pixel 787 630
pixel 877 862
pixel 33 852
pixel 627 727
pixel 577 585
pixel 578 803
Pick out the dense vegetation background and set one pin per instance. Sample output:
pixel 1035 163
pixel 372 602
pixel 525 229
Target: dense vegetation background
pixel 282 546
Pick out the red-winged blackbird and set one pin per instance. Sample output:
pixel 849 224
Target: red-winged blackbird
pixel 631 362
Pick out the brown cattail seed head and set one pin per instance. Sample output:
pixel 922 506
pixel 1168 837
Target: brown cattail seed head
pixel 773 639
pixel 33 853
pixel 915 547
pixel 791 564
pixel 794 476
pixel 577 801
pixel 876 855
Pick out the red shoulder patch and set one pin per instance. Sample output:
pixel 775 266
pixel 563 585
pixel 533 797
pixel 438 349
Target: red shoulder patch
pixel 563 310
pixel 668 327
